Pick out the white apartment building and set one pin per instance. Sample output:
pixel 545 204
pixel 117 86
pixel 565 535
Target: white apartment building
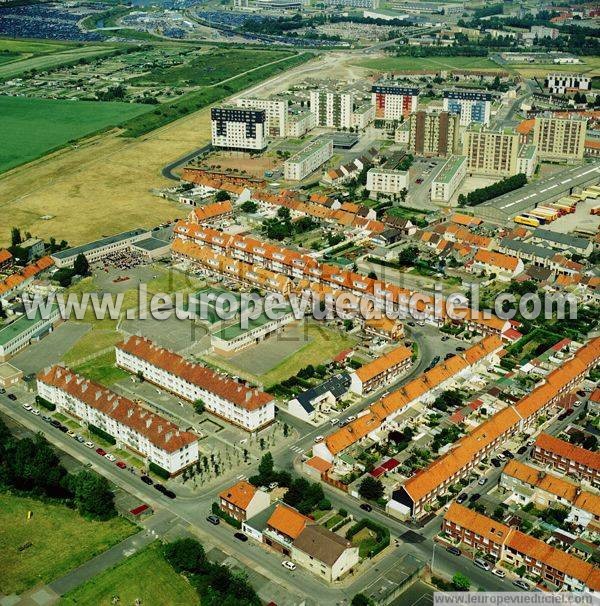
pixel 386 181
pixel 133 426
pixel 249 408
pixel 308 159
pixel 238 128
pixel 331 108
pixel 362 116
pixel 527 160
pixel 561 83
pixel 299 123
pixel 448 180
pixel 471 106
pixel 97 250
pixel 276 113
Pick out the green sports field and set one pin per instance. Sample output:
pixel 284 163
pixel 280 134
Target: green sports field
pixel 34 127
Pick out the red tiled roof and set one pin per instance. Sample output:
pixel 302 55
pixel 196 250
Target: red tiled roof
pixel 239 494
pixel 224 387
pixel 161 432
pixel 287 521
pixel 568 451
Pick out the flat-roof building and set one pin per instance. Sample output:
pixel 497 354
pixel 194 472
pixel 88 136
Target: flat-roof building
pixel 471 106
pixel 393 101
pixel 308 159
pixel 560 138
pixel 238 128
pixel 448 180
pixel 433 133
pixel 491 152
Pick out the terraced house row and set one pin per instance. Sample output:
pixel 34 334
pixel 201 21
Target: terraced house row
pixel 381 415
pixel 249 408
pixel 482 534
pixel 419 492
pixel 131 425
pixel 309 273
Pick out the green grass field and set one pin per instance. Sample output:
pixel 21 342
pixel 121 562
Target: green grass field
pixel 32 46
pixel 34 127
pixel 145 576
pixel 60 541
pixel 102 369
pixel 394 64
pixel 210 68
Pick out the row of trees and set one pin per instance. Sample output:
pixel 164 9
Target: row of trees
pixel 484 194
pixel 282 226
pixel 216 584
pixel 32 467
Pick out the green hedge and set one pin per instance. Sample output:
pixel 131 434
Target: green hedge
pixel 101 433
pixel 159 471
pixel 383 534
pixel 44 403
pixel 225 516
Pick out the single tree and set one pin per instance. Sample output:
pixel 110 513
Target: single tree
pixel 93 495
pixel 371 488
pixel 461 582
pixel 81 266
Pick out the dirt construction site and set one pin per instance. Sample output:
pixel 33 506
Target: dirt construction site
pixel 108 179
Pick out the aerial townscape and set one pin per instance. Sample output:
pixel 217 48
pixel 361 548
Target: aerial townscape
pixel 299 302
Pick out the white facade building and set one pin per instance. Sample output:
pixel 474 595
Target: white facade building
pixel 393 101
pixel 471 106
pixel 561 83
pixel 449 179
pixel 299 123
pixel 331 108
pixel 276 112
pixel 527 160
pixel 249 408
pixel 387 181
pixel 148 434
pixel 308 159
pixel 238 128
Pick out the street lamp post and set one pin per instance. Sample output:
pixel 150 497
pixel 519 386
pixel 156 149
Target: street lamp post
pixel 433 557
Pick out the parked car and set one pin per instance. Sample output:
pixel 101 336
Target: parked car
pixel 213 519
pixel 27 407
pixel 121 465
pixel 334 421
pixel 11 396
pixel 453 550
pixel 110 457
pixel 169 494
pixel 46 418
pixel 366 507
pixel 147 480
pixel 501 456
pixel 55 423
pixel 89 444
pixel 351 418
pixel 419 181
pixel 318 439
pixel 577 404
pixel 80 439
pixel 71 433
pixel 240 536
pixel 481 563
pixel 273 485
pixel 522 450
pixel 289 565
pixel 460 348
pixel 474 497
pixel 499 572
pixel 508 454
pixel 101 452
pixel 482 480
pixel 160 488
pixel 462 497
pixel 521 584
pixel 63 428
pixel 35 411
pixel 496 462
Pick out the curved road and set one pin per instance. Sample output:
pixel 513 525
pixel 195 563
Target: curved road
pixel 167 171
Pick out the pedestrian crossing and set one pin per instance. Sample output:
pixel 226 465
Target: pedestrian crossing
pixel 297 449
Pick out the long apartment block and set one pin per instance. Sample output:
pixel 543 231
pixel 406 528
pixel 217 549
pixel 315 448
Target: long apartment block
pixel 238 128
pixel 249 408
pixel 310 273
pixel 393 101
pixel 506 544
pixel 133 426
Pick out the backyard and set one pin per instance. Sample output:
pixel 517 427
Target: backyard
pixel 52 542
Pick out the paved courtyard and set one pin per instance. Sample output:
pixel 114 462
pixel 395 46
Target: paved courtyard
pixel 51 348
pixel 261 358
pixel 170 333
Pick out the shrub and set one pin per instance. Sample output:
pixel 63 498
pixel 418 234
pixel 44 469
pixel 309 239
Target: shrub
pixel 44 403
pixel 159 471
pixel 102 434
pixel 225 516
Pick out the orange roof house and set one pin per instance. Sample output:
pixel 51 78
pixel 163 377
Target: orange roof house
pixel 243 500
pixel 287 521
pixel 210 212
pixel 494 261
pixel 369 375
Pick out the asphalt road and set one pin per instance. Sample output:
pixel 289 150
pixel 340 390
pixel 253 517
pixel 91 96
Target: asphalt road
pixel 167 171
